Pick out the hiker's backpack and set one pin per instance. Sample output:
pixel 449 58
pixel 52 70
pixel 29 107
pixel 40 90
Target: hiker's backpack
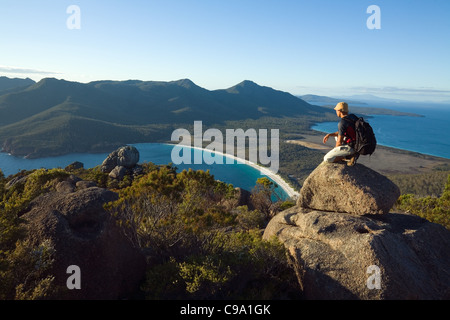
pixel 366 142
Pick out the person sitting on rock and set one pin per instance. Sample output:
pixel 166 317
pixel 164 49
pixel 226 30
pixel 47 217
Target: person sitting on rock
pixel 345 138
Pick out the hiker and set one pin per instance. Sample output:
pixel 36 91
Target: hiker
pixel 345 137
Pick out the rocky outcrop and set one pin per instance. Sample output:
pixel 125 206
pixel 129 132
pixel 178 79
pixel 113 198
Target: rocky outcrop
pixel 74 166
pixel 126 157
pixel 342 255
pixel 357 190
pixel 85 235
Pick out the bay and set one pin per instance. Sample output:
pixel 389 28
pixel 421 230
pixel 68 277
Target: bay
pixel 427 134
pixel 238 174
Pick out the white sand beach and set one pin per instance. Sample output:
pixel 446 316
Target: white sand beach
pixel 291 192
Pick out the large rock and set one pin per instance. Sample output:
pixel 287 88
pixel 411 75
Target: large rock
pixel 343 256
pixel 127 157
pixel 357 190
pixel 85 235
pixel 118 172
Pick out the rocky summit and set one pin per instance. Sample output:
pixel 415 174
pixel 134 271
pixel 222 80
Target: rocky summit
pixel 340 188
pixel 343 248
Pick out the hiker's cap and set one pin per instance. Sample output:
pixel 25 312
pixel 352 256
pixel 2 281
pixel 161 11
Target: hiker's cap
pixel 341 106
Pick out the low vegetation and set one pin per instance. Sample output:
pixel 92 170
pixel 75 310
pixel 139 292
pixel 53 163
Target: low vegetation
pixel 422 185
pixel 198 241
pixel 23 267
pixel 434 209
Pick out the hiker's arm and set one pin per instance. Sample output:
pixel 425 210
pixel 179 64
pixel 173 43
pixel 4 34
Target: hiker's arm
pixel 334 134
pixel 339 140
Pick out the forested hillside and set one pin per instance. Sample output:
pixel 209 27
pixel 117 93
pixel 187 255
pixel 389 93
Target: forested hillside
pixel 54 117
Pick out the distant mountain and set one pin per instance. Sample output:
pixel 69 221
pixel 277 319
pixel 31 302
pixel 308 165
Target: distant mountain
pixel 357 99
pixel 9 85
pixel 53 116
pixel 375 100
pixel 359 107
pixel 324 100
pixel 370 98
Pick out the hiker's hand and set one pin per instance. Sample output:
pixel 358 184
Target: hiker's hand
pixel 325 139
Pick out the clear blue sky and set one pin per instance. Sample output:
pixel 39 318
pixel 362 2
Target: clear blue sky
pixel 300 46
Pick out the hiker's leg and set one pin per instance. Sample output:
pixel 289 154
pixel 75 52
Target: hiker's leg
pixel 333 155
pixel 338 154
pixel 351 157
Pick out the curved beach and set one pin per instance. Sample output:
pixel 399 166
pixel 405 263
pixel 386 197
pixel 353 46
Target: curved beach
pixel 275 177
pixel 263 170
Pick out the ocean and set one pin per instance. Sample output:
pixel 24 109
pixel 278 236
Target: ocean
pixel 428 134
pixel 238 174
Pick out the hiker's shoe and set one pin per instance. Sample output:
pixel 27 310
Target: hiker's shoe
pixel 351 162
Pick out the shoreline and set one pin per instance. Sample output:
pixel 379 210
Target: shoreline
pixel 290 192
pixel 263 170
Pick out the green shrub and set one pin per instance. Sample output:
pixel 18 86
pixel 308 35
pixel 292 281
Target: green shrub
pixel 250 219
pixel 431 208
pixel 198 247
pixel 23 271
pixel 240 266
pixel 18 197
pixel 23 265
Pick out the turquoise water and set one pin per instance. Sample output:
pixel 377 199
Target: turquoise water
pixel 428 134
pixel 238 174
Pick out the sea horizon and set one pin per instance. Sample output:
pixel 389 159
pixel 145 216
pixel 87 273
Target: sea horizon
pixel 425 135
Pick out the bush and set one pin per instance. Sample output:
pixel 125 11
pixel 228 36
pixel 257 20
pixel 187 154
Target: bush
pixel 241 266
pixel 23 265
pixel 18 197
pixel 434 209
pixel 198 247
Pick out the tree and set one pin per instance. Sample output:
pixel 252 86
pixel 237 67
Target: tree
pixel 265 198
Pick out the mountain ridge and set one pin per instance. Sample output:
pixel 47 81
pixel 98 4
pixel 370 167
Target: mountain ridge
pixel 11 84
pixel 48 116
